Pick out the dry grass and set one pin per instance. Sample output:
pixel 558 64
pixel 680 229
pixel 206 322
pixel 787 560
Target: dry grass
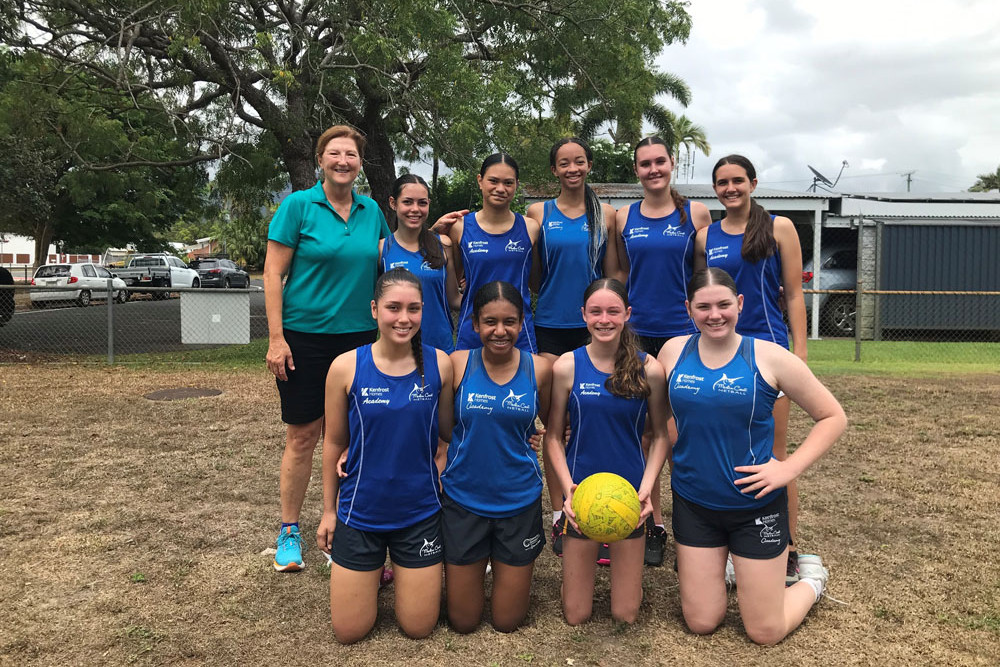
pixel 131 533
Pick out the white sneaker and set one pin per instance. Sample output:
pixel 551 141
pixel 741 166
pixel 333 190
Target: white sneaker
pixel 730 572
pixel 811 567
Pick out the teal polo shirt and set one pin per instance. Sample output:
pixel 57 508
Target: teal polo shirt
pixel 331 280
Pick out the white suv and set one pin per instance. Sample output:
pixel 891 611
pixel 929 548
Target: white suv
pixel 92 280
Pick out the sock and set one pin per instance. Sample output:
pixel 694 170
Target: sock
pixel 817 586
pixel 660 525
pixel 286 525
pixel 556 515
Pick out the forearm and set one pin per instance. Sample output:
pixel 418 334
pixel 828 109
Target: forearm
pixel 658 450
pixel 822 436
pixel 273 306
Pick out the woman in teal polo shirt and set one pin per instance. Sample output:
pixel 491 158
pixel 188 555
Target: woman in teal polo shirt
pixel 323 243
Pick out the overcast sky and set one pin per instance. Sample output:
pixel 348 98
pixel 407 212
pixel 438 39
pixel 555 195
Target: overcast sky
pixel 890 86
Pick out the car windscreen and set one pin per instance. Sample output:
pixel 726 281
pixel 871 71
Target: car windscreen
pixel 148 261
pixel 52 271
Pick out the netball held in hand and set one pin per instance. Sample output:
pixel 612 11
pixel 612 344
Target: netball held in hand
pixel 606 507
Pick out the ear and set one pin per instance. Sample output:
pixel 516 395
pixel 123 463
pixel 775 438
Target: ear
pixel 392 203
pixel 628 313
pixel 553 170
pixel 739 303
pixel 374 310
pixel 753 184
pixel 583 313
pixel 687 307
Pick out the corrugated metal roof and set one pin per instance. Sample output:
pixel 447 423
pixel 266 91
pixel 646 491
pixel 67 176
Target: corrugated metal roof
pixel 928 197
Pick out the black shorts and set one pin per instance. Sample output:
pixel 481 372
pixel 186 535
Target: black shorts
pixel 560 341
pixel 415 546
pixel 303 395
pixel 569 531
pixel 514 540
pixel 652 344
pixel 760 533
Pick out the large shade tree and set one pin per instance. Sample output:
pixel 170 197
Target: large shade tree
pixel 447 77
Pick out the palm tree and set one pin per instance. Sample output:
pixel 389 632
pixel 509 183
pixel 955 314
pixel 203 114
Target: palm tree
pixel 626 111
pixel 691 137
pixel 987 182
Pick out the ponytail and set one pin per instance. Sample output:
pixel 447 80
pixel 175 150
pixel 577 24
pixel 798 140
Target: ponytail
pixel 597 234
pixel 758 239
pixel 628 380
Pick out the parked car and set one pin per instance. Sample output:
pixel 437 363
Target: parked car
pixel 159 270
pixel 6 297
pixel 839 271
pixel 92 280
pixel 217 272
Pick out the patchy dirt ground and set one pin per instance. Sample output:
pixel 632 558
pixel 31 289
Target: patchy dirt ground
pixel 131 532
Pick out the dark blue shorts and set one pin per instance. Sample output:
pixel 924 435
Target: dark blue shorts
pixel 760 533
pixel 514 540
pixel 560 341
pixel 415 546
pixel 303 395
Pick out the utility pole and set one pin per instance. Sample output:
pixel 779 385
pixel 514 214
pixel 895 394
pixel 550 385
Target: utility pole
pixel 909 178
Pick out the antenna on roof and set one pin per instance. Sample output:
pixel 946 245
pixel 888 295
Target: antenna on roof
pixel 821 181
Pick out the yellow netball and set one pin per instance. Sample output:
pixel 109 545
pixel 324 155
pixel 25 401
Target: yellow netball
pixel 606 507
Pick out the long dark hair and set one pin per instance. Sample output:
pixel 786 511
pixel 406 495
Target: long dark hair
pixel 401 276
pixel 629 377
pixel 498 290
pixel 758 239
pixel 430 246
pixel 679 201
pixel 597 234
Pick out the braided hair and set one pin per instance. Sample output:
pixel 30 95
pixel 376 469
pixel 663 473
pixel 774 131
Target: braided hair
pixel 597 231
pixel 402 276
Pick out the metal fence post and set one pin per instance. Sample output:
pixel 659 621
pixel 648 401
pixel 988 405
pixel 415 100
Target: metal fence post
pixel 858 288
pixel 111 322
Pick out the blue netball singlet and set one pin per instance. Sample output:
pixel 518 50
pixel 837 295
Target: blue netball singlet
pixel 723 421
pixel 394 435
pixel 487 257
pixel 492 470
pixel 606 429
pixel 758 283
pixel 661 255
pixel 435 326
pixel 563 248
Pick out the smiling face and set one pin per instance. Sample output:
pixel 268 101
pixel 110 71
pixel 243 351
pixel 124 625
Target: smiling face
pixel 340 161
pixel 498 325
pixel 498 184
pixel 398 312
pixel 412 205
pixel 571 166
pixel 733 187
pixel 715 309
pixel 605 315
pixel 653 167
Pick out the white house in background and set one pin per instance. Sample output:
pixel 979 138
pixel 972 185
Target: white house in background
pixel 19 251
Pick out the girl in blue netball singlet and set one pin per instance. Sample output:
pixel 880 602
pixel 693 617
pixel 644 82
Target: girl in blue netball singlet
pixel 492 244
pixel 728 487
pixel 655 239
pixel 427 256
pixel 762 254
pixel 492 505
pixel 572 251
pixel 390 405
pixel 610 388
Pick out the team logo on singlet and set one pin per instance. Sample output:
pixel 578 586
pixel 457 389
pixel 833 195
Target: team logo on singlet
pixel 688 381
pixel 727 385
pixel 426 266
pixel 589 389
pixel 431 548
pixel 515 402
pixel 375 395
pixel 715 254
pixel 478 247
pixel 393 265
pixel 638 233
pixel 514 246
pixel 671 230
pixel 419 393
pixel 482 402
pixel 770 533
pixel 554 224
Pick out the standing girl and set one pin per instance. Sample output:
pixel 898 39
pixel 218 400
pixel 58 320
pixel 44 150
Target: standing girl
pixel 492 508
pixel 417 249
pixel 390 405
pixel 728 488
pixel 656 252
pixel 610 388
pixel 762 254
pixel 572 252
pixel 494 244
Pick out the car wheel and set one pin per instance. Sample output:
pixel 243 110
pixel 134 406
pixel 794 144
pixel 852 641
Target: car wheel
pixel 227 283
pixel 84 299
pixel 839 315
pixel 122 296
pixel 195 284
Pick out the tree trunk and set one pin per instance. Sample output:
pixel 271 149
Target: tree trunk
pixel 380 167
pixel 43 238
pixel 434 173
pixel 298 154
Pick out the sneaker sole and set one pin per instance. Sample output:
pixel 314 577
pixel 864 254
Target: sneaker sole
pixel 291 567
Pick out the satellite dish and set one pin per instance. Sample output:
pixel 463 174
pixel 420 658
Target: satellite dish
pixel 821 181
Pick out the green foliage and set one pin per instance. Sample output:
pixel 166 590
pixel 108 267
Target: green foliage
pixel 987 182
pixel 456 191
pixel 612 164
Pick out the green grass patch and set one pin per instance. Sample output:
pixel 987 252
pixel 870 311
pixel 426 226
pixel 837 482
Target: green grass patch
pixel 836 357
pixel 249 356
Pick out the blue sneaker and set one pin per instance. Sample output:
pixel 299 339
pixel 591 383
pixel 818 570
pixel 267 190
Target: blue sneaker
pixel 288 557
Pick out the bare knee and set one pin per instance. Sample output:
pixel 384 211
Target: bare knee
pixel 463 625
pixel 702 623
pixel 624 613
pixel 766 634
pixel 302 438
pixel 576 616
pixel 418 630
pixel 507 625
pixel 349 634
